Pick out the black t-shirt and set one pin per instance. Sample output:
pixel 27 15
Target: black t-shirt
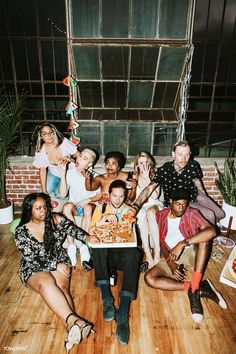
pixel 170 179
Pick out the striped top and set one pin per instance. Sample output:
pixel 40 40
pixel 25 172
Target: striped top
pixel 191 223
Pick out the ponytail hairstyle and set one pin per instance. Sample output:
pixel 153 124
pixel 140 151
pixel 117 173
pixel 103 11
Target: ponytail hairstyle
pixel 38 139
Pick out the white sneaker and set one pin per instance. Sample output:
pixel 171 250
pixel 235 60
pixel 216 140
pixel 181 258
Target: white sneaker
pixel 72 254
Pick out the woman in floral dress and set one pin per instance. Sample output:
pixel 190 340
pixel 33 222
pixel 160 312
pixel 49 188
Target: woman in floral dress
pixel 45 266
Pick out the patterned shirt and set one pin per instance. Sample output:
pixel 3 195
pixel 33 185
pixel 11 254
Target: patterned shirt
pixel 190 224
pixel 36 258
pixel 170 179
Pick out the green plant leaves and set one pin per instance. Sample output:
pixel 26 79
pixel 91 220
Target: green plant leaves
pixel 226 182
pixel 11 108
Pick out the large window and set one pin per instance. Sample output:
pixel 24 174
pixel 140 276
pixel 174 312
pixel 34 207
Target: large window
pixel 129 57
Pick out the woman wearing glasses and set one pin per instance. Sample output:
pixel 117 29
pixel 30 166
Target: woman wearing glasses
pixel 52 149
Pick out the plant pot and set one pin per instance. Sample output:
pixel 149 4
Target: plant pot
pixel 6 214
pixel 229 211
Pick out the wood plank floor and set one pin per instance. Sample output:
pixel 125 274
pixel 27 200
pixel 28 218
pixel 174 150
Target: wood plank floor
pixel 160 321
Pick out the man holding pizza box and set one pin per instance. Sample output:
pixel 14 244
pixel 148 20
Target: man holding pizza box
pixel 112 226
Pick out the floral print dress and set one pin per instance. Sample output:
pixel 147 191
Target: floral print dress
pixel 35 258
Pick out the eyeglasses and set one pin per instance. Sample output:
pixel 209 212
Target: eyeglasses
pixel 48 133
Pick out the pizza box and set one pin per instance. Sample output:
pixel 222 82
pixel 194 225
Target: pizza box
pixel 126 239
pixel 228 275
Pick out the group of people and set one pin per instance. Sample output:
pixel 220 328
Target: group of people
pixel 175 232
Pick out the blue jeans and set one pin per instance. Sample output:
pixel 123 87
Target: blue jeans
pixel 53 184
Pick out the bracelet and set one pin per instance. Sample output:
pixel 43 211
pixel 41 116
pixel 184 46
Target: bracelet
pixel 186 242
pixel 135 206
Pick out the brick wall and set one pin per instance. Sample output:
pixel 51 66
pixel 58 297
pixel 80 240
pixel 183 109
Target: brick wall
pixel 25 178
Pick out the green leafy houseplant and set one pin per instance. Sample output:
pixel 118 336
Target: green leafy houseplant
pixel 226 182
pixel 11 108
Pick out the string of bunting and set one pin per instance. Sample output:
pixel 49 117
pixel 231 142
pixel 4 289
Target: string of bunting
pixel 184 94
pixel 71 107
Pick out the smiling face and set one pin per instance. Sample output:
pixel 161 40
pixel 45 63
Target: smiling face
pixel 181 156
pixel 112 166
pixel 39 210
pixel 117 197
pixel 83 160
pixel 47 134
pixel 178 207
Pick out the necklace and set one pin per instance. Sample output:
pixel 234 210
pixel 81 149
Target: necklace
pixel 118 212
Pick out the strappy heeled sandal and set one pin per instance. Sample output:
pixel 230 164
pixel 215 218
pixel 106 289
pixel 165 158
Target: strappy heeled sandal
pixel 74 335
pixel 77 332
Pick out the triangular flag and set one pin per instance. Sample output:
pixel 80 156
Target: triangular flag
pixel 70 81
pixel 73 81
pixel 69 111
pixel 75 124
pixel 66 80
pixel 71 105
pixel 75 139
pixel 74 105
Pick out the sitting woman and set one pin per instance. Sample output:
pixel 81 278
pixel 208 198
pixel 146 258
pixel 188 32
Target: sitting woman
pixel 45 266
pixel 51 150
pixel 144 171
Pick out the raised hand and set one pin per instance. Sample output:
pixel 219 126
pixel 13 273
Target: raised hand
pixel 145 170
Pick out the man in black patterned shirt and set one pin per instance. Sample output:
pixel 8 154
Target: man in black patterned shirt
pixel 183 173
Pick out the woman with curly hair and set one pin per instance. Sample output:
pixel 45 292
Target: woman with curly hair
pixel 45 266
pixel 52 148
pixel 144 171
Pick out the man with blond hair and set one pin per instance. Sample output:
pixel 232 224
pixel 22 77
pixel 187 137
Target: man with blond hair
pixel 80 200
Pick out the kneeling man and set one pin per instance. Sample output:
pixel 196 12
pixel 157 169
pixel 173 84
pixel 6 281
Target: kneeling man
pixel 185 236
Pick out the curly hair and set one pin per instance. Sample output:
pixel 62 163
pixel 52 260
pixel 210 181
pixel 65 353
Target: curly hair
pixel 117 155
pixel 26 216
pixel 37 138
pixel 150 161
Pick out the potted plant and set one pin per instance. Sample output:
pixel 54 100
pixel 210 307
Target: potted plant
pixel 226 183
pixel 11 108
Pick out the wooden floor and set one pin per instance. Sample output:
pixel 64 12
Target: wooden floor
pixel 160 321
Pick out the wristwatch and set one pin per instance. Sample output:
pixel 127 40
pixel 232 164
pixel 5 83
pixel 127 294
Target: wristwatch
pixel 186 242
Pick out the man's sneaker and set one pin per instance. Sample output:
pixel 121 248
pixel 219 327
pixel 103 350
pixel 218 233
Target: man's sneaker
pixel 72 254
pixel 208 291
pixel 109 311
pixel 195 305
pixel 122 329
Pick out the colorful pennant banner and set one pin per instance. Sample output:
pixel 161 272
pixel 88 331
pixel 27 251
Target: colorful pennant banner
pixel 70 81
